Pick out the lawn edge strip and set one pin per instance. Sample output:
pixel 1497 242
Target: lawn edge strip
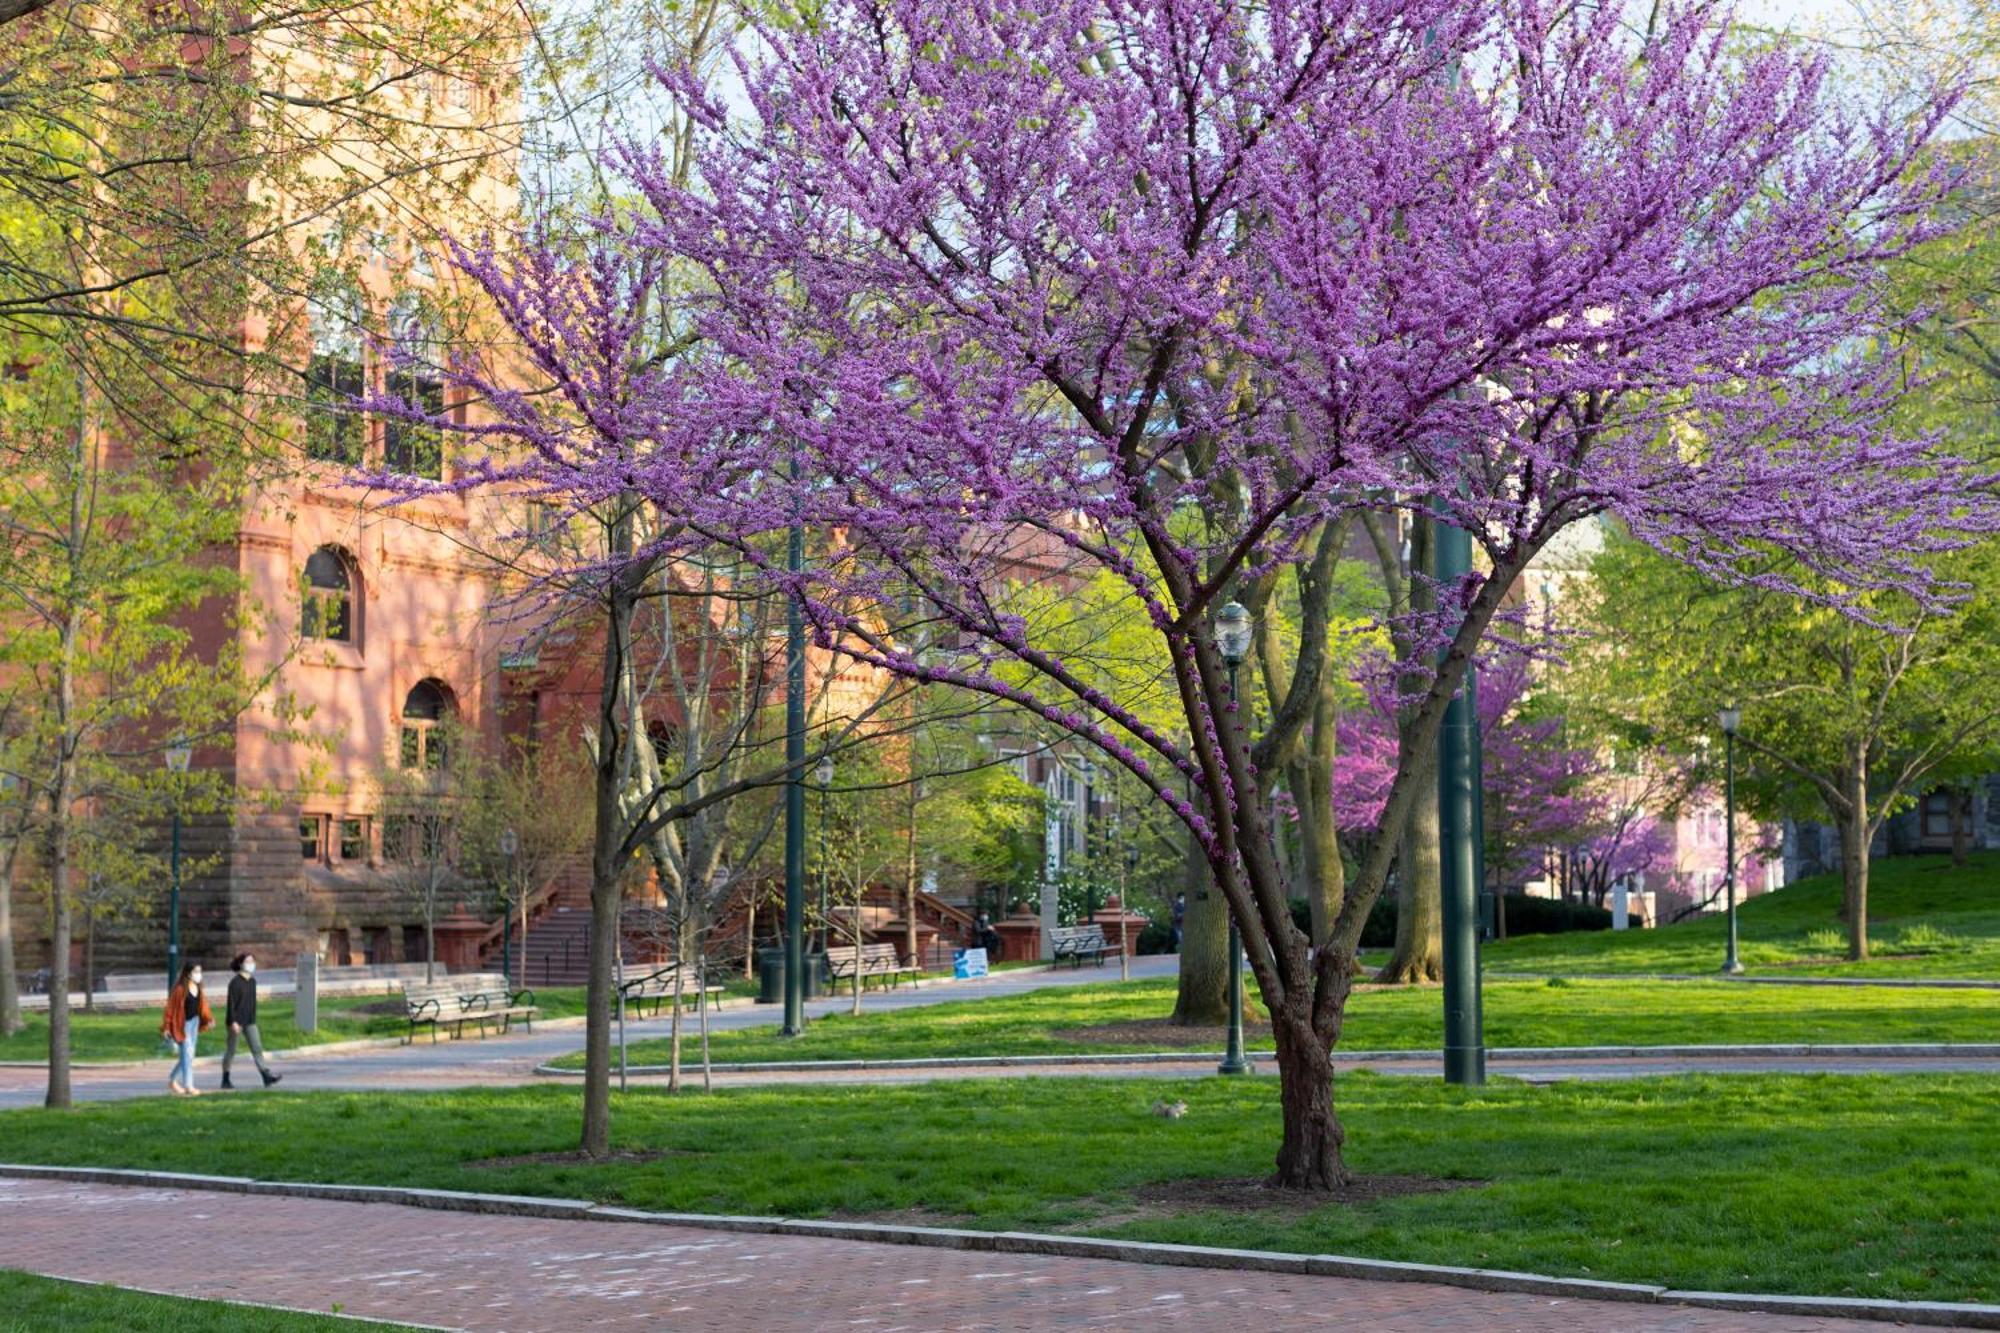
pixel 234 1301
pixel 1903 983
pixel 1944 1314
pixel 1886 1050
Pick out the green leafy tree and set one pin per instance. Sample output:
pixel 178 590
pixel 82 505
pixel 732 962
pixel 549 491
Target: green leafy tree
pixel 1842 719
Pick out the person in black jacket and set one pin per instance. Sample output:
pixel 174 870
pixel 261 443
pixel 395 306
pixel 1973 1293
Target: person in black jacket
pixel 242 1017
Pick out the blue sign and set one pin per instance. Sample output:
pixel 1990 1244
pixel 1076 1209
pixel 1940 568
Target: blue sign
pixel 968 963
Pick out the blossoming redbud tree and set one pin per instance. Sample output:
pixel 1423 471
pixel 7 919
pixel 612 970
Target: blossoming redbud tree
pixel 1166 287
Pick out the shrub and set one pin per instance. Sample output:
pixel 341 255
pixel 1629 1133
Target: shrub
pixel 1552 916
pixel 1378 933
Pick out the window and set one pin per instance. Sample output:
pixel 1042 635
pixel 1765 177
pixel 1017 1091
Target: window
pixel 328 611
pixel 545 521
pixel 354 840
pixel 334 379
pixel 423 739
pixel 1940 811
pixel 413 448
pixel 312 836
pixel 415 839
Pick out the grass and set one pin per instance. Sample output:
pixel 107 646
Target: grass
pixel 1926 919
pixel 1876 1186
pixel 1556 1011
pixel 134 1034
pixel 38 1303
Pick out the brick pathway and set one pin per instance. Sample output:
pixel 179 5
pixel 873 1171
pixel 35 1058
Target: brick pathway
pixel 463 1270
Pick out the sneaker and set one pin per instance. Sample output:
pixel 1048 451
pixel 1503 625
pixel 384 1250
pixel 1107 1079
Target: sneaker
pixel 226 1084
pixel 269 1077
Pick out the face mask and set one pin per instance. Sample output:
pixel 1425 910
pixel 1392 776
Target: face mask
pixel 249 966
pixel 195 977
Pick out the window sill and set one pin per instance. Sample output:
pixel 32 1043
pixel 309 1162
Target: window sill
pixel 332 655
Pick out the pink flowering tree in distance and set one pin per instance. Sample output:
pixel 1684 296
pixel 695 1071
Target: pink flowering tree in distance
pixel 1165 289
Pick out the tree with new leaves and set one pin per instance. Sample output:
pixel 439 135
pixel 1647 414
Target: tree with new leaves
pixel 108 558
pixel 1842 718
pixel 1080 273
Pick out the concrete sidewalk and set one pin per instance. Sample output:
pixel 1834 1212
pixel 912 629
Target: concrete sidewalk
pixel 512 1059
pixel 481 1272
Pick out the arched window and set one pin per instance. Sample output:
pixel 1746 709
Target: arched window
pixel 334 378
pixel 415 378
pixel 425 712
pixel 328 610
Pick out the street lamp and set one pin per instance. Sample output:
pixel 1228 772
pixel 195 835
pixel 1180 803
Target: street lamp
pixel 823 774
pixel 1232 640
pixel 510 845
pixel 178 753
pixel 1731 718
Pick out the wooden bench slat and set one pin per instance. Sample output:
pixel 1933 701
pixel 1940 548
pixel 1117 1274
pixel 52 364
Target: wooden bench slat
pixel 474 998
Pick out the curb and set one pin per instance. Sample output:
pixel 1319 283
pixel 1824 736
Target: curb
pixel 1526 1054
pixel 1902 983
pixel 1939 1314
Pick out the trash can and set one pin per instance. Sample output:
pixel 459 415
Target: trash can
pixel 771 976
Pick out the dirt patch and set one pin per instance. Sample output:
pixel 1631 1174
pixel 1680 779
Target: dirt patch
pixel 575 1157
pixel 1253 1194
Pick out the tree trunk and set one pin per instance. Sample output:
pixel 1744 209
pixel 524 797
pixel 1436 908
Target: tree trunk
pixel 1203 998
pixel 1856 834
pixel 60 801
pixel 910 885
pixel 10 977
pixel 430 936
pixel 1323 876
pixel 1419 955
pixel 674 1025
pixel 89 961
pixel 608 852
pixel 1309 1154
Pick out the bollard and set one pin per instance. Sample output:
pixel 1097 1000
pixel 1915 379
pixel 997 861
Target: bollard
pixel 305 1004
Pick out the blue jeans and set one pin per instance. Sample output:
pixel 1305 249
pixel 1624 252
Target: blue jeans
pixel 184 1068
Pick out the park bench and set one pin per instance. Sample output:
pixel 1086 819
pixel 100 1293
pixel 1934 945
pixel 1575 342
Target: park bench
pixel 870 960
pixel 452 1002
pixel 1077 943
pixel 658 987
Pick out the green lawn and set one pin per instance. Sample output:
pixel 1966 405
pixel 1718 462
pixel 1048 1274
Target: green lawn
pixel 28 1302
pixel 1925 920
pixel 1879 1186
pixel 1553 1012
pixel 135 1034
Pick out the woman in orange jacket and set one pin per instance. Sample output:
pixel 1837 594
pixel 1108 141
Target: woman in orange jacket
pixel 185 1018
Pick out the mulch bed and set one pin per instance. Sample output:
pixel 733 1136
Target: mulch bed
pixel 1254 1194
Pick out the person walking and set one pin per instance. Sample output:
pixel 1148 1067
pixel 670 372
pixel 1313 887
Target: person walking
pixel 1180 918
pixel 186 1017
pixel 241 1015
